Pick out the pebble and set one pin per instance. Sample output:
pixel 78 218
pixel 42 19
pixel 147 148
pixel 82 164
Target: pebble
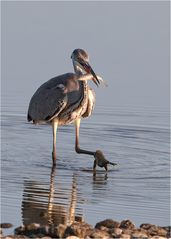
pixel 158 237
pixel 117 232
pixel 72 237
pixel 1 233
pixel 105 229
pixel 154 230
pixel 125 236
pixel 101 234
pixel 15 237
pixel 139 234
pixel 61 230
pixel 127 231
pixel 109 223
pixel 79 229
pixel 127 224
pixel 32 229
pixel 5 225
pixel 46 237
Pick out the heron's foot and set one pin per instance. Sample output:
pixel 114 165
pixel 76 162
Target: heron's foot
pixel 101 161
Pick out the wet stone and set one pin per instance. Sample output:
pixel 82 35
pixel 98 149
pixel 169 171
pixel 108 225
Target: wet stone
pixel 7 237
pixel 77 229
pixel 52 231
pixel 32 230
pixel 154 230
pixel 115 232
pixel 78 219
pixel 109 223
pixel 118 231
pixel 168 229
pixel 19 230
pixel 61 230
pixel 32 226
pixel 127 231
pixel 145 226
pixel 1 233
pixel 105 229
pixel 5 225
pixel 46 237
pixel 15 237
pixel 125 236
pixel 57 231
pixel 139 233
pixel 72 237
pixel 158 237
pixel 127 224
pixel 101 234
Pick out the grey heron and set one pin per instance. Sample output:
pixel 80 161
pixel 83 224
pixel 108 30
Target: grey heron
pixel 66 99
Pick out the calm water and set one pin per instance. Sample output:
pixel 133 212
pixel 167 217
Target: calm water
pixel 135 138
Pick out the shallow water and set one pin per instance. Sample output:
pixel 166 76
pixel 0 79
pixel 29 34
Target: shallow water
pixel 138 188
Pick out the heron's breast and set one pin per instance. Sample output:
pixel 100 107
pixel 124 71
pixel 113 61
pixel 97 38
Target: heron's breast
pixel 75 110
pixel 90 103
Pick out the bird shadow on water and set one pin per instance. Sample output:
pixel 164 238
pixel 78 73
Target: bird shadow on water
pixel 58 199
pixel 48 203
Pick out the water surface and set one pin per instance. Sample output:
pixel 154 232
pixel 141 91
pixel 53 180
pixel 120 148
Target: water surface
pixel 138 189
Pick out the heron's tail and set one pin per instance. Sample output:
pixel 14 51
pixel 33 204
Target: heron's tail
pixel 28 117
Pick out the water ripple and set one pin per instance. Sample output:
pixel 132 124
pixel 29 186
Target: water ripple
pixel 137 189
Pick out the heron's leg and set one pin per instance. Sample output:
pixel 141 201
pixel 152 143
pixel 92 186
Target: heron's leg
pixel 77 147
pixel 105 166
pixel 54 127
pixel 94 166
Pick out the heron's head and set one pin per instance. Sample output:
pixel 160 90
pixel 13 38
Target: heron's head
pixel 80 61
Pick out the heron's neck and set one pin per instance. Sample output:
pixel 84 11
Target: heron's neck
pixel 78 70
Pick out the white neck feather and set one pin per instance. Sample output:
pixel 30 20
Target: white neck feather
pixel 78 70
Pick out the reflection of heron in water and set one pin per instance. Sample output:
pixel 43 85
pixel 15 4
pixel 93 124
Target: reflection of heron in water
pixel 45 206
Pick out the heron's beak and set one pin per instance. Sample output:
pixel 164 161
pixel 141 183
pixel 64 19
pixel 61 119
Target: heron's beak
pixel 88 69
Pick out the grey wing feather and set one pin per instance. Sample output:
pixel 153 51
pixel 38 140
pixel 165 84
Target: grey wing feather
pixel 49 99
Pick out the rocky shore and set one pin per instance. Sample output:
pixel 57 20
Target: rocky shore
pixel 105 229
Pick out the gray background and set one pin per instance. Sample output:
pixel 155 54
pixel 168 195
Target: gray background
pixel 128 44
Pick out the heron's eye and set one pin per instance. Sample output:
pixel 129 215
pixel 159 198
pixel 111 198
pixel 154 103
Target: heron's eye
pixel 79 59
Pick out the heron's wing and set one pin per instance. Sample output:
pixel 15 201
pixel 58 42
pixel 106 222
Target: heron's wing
pixel 51 98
